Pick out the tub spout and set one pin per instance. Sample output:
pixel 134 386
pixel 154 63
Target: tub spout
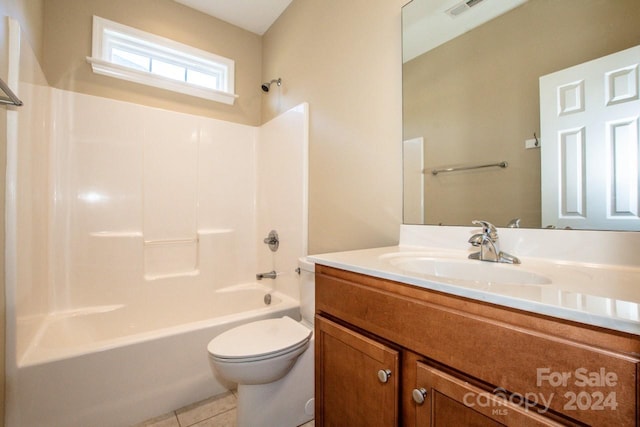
pixel 269 275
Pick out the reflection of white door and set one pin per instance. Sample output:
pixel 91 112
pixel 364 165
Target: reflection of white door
pixel 589 124
pixel 413 173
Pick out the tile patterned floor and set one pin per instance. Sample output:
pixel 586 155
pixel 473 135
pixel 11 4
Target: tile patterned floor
pixel 217 411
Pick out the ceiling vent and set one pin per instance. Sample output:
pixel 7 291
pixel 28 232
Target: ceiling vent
pixel 462 7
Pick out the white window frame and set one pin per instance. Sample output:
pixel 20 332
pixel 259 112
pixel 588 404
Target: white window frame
pixel 107 34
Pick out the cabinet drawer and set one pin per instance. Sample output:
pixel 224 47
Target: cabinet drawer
pixel 569 376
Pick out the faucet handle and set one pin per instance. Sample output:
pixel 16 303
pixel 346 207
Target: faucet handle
pixel 487 229
pixel 514 223
pixel 476 239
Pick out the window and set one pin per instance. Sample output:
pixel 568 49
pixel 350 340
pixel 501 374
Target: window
pixel 134 55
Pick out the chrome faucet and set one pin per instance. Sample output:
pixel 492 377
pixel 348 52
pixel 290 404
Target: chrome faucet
pixel 270 275
pixel 489 246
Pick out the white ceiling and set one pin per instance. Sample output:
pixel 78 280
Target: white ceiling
pixel 426 25
pixel 252 15
pixel 425 22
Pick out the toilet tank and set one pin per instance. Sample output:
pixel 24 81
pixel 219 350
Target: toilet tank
pixel 307 284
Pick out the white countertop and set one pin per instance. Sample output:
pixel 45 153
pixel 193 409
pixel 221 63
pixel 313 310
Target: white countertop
pixel 596 294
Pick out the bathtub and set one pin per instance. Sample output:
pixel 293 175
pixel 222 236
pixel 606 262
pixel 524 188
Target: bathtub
pixel 117 365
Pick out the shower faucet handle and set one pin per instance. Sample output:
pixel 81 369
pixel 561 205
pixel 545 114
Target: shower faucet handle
pixel 272 240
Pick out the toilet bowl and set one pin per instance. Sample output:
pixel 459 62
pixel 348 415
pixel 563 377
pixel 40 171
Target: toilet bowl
pixel 259 352
pixel 271 361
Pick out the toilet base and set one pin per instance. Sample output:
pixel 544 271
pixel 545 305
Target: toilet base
pixel 287 402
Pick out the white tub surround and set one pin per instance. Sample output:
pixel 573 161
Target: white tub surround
pixel 159 194
pixel 283 170
pixel 590 277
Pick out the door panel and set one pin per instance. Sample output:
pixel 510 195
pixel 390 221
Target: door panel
pixel 349 391
pixel 589 154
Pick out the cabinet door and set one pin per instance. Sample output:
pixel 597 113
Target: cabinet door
pixel 357 378
pixel 450 401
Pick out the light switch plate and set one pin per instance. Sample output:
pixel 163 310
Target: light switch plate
pixel 532 143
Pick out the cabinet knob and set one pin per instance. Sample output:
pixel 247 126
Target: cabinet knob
pixel 419 395
pixel 384 375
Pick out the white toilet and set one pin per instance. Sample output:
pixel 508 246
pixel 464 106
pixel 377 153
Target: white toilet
pixel 271 360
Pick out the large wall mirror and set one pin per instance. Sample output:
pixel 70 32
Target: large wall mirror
pixel 474 74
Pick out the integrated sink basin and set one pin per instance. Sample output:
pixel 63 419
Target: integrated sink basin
pixel 593 280
pixel 467 270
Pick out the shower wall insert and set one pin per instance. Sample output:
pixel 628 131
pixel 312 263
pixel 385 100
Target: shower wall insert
pixel 138 240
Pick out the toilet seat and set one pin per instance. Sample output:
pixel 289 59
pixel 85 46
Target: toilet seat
pixel 291 350
pixel 259 340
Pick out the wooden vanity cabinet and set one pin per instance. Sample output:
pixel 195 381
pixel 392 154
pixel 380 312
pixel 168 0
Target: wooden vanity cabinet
pixel 452 361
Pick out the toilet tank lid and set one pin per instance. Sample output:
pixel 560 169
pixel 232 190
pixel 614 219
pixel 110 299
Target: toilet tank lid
pixel 307 265
pixel 259 338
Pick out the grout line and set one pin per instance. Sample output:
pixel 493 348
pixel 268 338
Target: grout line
pixel 204 419
pixel 179 423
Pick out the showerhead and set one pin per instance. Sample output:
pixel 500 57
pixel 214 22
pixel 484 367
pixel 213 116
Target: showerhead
pixel 266 86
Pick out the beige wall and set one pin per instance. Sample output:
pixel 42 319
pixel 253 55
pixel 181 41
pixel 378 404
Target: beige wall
pixel 475 99
pixel 29 15
pixel 344 58
pixel 67 43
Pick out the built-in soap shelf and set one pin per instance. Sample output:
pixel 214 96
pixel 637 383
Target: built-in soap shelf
pixel 176 257
pixel 107 234
pixel 167 257
pixel 134 233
